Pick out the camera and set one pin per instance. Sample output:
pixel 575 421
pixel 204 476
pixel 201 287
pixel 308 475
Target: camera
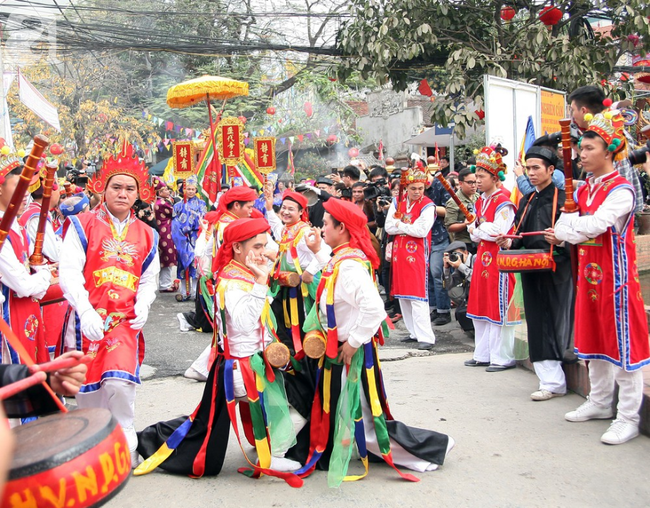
pixel 454 256
pixel 639 156
pixel 376 190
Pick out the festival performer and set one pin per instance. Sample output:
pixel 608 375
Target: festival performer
pixel 410 221
pixel 292 303
pixel 350 403
pixel 490 305
pixel 236 203
pixel 21 289
pixel 196 445
pixel 611 329
pixel 163 210
pixel 53 313
pixel 548 296
pixel 185 229
pixel 108 269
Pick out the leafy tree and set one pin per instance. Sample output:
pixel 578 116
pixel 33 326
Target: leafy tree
pixel 400 41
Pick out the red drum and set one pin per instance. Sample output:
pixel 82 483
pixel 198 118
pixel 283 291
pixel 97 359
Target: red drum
pixel 79 459
pixel 525 260
pixel 288 279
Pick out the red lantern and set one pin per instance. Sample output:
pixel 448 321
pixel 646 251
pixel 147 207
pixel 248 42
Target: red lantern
pixel 550 15
pixel 270 110
pixel 308 109
pixel 480 113
pixel 353 152
pixel 507 13
pixel 331 139
pixel 242 119
pixel 634 39
pixel 56 149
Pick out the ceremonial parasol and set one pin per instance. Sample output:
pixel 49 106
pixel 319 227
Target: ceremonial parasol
pixel 201 89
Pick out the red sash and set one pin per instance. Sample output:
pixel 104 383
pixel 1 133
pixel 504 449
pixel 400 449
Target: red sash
pixel 410 264
pixel 112 272
pixel 611 322
pixel 491 291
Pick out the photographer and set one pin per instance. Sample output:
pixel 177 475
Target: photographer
pixel 457 273
pixel 144 212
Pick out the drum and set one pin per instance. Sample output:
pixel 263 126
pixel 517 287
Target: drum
pixel 525 260
pixel 79 459
pixel 277 354
pixel 314 344
pixel 288 279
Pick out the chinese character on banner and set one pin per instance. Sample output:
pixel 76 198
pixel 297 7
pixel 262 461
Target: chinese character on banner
pixel 264 149
pixel 230 136
pixel 183 152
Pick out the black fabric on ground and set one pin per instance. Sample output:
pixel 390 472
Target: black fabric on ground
pixel 199 319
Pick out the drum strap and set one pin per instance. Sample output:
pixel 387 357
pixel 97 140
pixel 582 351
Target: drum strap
pixel 552 216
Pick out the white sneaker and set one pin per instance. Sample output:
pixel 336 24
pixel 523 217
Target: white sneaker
pixel 192 373
pixel 545 395
pixel 185 326
pixel 589 411
pixel 284 465
pixel 620 432
pixel 136 459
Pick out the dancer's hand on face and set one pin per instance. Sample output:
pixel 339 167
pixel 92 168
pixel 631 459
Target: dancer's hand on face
pixel 259 267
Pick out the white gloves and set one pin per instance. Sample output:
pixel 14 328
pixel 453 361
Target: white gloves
pixel 490 228
pixel 141 315
pixel 92 325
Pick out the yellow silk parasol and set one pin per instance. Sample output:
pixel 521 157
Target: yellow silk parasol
pixel 201 89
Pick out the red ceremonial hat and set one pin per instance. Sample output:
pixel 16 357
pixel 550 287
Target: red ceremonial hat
pixel 300 199
pixel 356 223
pixel 239 230
pixel 241 193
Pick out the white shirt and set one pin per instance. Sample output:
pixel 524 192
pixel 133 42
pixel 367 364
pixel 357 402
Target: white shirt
pixel 358 308
pixel 73 261
pixel 51 242
pixel 309 262
pixel 488 231
pixel 243 312
pixel 15 276
pixel 615 210
pixel 420 228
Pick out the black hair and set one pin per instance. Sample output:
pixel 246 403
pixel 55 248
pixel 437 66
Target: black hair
pixel 378 171
pixel 590 97
pixel 352 171
pixel 14 172
pixel 358 184
pixel 231 205
pixel 445 157
pixel 394 183
pixel 593 135
pixel 464 173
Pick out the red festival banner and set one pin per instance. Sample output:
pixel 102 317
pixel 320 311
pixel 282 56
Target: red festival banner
pixel 264 149
pixel 183 153
pixel 230 134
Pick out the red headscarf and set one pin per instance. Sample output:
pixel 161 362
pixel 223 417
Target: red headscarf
pixel 237 231
pixel 240 193
pixel 300 199
pixel 356 223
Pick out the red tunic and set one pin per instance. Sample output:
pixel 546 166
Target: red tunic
pixel 410 263
pixel 491 291
pixel 611 322
pixel 23 314
pixel 112 272
pixel 53 313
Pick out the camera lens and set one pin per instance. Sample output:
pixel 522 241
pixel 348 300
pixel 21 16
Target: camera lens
pixel 453 256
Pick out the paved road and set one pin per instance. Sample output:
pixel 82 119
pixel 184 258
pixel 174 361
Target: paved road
pixel 510 451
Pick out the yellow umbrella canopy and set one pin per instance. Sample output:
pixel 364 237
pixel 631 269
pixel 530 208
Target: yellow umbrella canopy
pixel 197 90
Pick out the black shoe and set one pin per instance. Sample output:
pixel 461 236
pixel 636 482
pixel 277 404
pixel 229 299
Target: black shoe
pixel 474 363
pixel 442 319
pixel 425 346
pixel 409 339
pixel 499 368
pixel 434 315
pixel 569 357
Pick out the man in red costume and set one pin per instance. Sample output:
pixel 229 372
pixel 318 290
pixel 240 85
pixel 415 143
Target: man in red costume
pixel 410 221
pixel 109 265
pixel 21 290
pixel 491 291
pixel 611 328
